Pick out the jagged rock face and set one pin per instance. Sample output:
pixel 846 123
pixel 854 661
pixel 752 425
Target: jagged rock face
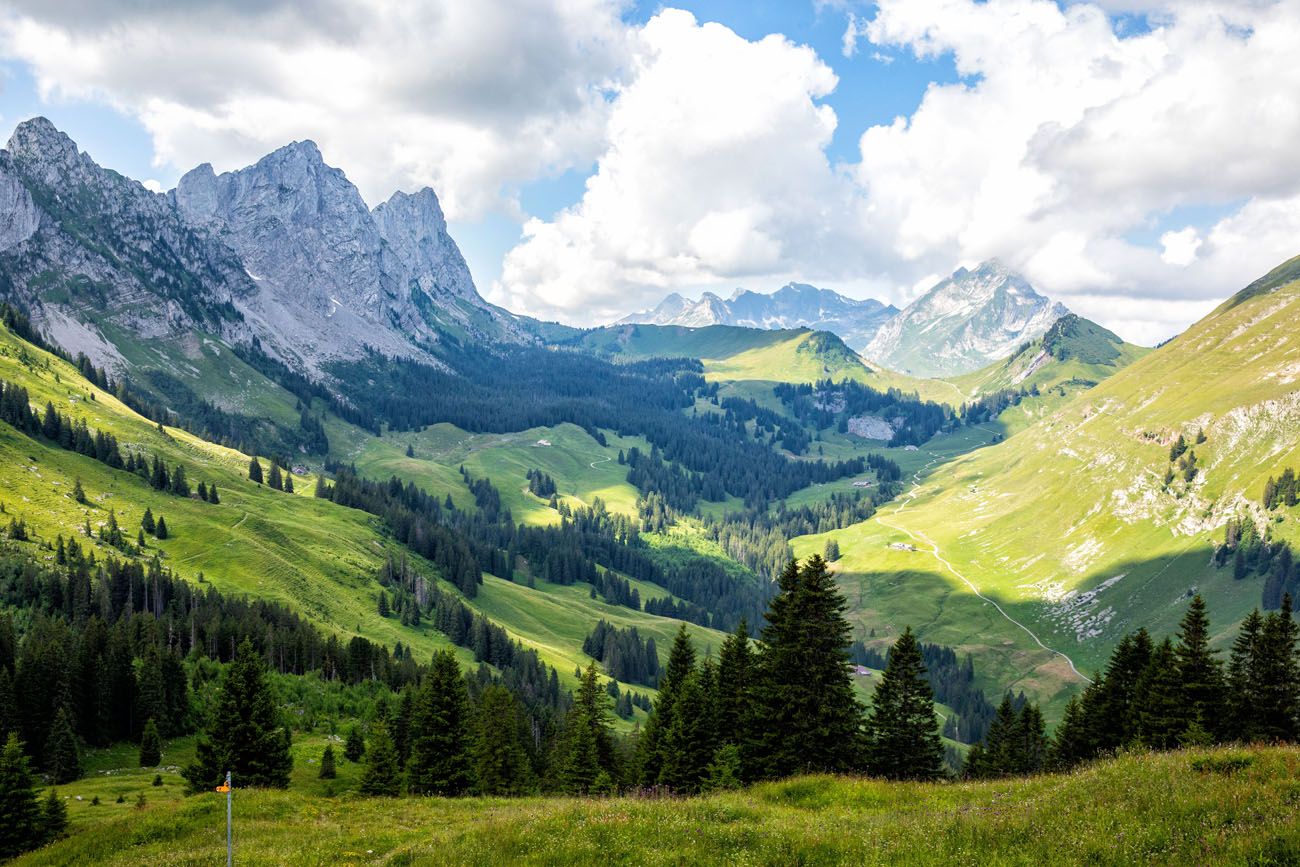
pixel 965 322
pixel 285 251
pixel 795 305
pixel 84 248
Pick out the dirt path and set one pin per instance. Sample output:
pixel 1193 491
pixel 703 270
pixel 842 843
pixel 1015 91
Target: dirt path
pixel 601 461
pixel 933 550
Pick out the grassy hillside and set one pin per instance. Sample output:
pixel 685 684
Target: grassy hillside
pixel 1194 807
pixel 1068 527
pixel 310 554
pixel 1075 353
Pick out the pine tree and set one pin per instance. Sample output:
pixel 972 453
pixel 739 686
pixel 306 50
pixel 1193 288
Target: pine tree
pixel 681 662
pixel 213 497
pixel 903 729
pixel 180 487
pixel 1032 745
pixel 288 482
pixel 161 530
pixel 355 745
pixel 275 481
pixel 588 748
pixel 806 716
pixel 327 769
pixel 78 492
pixel 255 470
pixel 401 727
pixel 150 745
pixel 1277 673
pixel 147 522
pixel 832 551
pixel 384 609
pixel 724 772
pixel 21 825
pixel 440 731
pixel 245 734
pixel 62 756
pixel 997 754
pixel 54 817
pixel 382 776
pixel 1243 687
pixel 1201 674
pixel 690 742
pixel 203 492
pixel 500 763
pixel 1162 718
pixel 735 665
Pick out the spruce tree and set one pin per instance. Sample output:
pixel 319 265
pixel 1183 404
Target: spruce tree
pixel 500 763
pixel 213 497
pixel 255 470
pixel 1243 687
pixel 588 749
pixel 381 776
pixel 691 740
pixel 21 825
pixel 275 481
pixel 440 731
pixel 327 769
pixel 735 664
pixel 150 745
pixel 1277 673
pixel 355 745
pixel 54 817
pixel 161 529
pixel 1113 722
pixel 245 735
pixel 62 755
pixel 401 727
pixel 681 662
pixel 1032 745
pixel 1203 691
pixel 1162 717
pixel 903 728
pixel 806 716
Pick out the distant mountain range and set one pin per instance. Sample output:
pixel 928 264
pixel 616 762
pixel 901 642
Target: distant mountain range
pixel 795 305
pixel 962 324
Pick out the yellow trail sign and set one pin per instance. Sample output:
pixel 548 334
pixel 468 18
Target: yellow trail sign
pixel 223 788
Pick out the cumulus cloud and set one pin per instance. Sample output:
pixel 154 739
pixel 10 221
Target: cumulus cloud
pixel 714 173
pixel 1062 137
pixel 474 99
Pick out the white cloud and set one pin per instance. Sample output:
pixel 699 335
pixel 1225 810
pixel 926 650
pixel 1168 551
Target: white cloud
pixel 1062 137
pixel 715 172
pixel 472 98
pixel 152 185
pixel 1180 247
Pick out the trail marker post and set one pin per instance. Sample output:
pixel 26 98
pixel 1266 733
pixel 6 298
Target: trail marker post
pixel 230 851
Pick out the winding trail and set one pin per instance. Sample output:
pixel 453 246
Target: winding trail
pixel 920 537
pixel 601 461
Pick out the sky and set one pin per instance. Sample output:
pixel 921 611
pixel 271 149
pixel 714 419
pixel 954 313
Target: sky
pixel 1135 159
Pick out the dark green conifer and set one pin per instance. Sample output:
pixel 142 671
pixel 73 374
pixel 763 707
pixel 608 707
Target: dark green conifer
pixel 245 735
pixel 355 745
pixel 681 662
pixel 1277 673
pixel 1243 687
pixel 500 763
pixel 440 731
pixel 275 481
pixel 1203 692
pixel 903 728
pixel 327 769
pixel 161 530
pixel 62 755
pixel 735 664
pixel 21 824
pixel 690 742
pixel 54 817
pixel 150 745
pixel 587 753
pixel 1162 718
pixel 381 776
pixel 255 470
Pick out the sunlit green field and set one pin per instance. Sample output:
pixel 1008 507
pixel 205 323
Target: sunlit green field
pixel 1194 807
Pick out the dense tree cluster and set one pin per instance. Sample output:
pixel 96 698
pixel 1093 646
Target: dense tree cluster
pixel 1280 491
pixel 1254 554
pixel 953 681
pixel 625 655
pixel 540 484
pixel 1178 692
pixel 988 407
pixel 828 404
pixel 1015 743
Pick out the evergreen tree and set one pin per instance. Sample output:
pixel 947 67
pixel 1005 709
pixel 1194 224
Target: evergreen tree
pixel 213 497
pixel 735 664
pixel 355 745
pixel 440 731
pixel 724 771
pixel 161 530
pixel 275 481
pixel 681 662
pixel 903 729
pixel 62 756
pixel 588 749
pixel 402 725
pixel 288 482
pixel 1032 744
pixel 1112 722
pixel 1162 718
pixel 203 492
pixel 180 486
pixel 1277 673
pixel 832 551
pixel 806 717
pixel 327 769
pixel 1201 674
pixel 78 492
pixel 21 825
pixel 500 763
pixel 255 470
pixel 690 742
pixel 245 734
pixel 1244 690
pixel 997 754
pixel 382 776
pixel 54 817
pixel 150 745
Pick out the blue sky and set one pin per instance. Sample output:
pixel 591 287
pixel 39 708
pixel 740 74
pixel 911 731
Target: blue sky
pixel 1132 157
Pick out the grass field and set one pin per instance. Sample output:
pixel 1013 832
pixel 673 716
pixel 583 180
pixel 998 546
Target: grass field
pixel 1224 807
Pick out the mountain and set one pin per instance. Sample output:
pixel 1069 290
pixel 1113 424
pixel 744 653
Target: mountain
pixel 1074 351
pixel 284 251
pixel 963 323
pixel 795 305
pixel 1080 527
